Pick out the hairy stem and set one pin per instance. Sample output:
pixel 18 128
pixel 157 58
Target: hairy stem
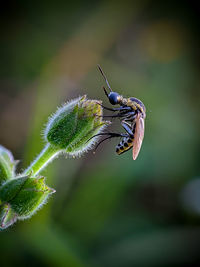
pixel 42 160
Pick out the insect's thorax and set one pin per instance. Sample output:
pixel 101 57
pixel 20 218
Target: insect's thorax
pixel 134 103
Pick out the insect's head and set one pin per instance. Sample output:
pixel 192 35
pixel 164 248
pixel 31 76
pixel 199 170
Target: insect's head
pixel 114 98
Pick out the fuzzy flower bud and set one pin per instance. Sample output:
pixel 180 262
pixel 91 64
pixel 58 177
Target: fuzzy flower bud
pixel 21 197
pixel 74 124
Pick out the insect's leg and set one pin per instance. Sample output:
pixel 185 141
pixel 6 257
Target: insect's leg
pixel 130 115
pixel 115 109
pixel 127 116
pixel 111 116
pixel 111 135
pixel 127 128
pixel 110 109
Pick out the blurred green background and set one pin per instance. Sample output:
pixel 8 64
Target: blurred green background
pixel 108 210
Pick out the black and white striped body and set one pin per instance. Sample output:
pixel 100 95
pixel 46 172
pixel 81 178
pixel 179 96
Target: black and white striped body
pixel 126 143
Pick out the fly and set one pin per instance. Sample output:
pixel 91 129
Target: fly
pixel 132 113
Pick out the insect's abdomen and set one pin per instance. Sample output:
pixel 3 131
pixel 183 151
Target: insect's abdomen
pixel 125 144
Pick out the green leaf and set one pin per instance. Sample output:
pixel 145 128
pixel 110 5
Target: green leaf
pixel 7 216
pixel 7 164
pixel 11 188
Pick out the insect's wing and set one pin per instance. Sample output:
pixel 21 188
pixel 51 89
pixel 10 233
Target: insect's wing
pixel 138 136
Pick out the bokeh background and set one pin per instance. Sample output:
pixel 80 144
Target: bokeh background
pixel 108 210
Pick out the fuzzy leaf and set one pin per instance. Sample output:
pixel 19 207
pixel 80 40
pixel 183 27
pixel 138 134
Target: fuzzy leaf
pixel 7 164
pixel 11 188
pixel 7 216
pixel 31 197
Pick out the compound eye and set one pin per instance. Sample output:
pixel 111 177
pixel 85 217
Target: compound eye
pixel 113 98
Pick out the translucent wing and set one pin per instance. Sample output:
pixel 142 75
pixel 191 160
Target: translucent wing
pixel 138 136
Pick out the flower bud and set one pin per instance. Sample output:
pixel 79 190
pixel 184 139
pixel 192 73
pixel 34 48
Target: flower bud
pixel 25 195
pixel 70 128
pixel 7 164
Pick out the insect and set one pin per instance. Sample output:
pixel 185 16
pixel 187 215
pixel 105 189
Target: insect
pixel 131 113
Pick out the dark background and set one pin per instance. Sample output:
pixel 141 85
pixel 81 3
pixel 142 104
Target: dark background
pixel 108 210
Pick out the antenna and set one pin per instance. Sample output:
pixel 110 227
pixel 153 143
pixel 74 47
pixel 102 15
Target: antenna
pixel 105 92
pixel 104 76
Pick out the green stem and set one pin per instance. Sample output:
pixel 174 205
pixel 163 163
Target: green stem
pixel 43 159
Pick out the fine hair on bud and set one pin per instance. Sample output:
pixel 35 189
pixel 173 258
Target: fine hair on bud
pixel 73 124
